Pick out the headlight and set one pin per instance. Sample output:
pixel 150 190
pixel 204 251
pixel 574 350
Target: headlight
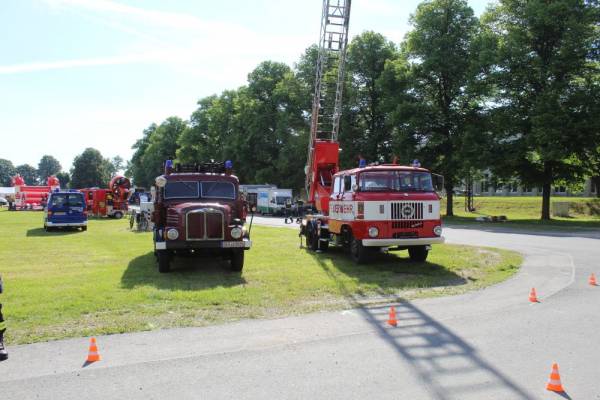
pixel 236 232
pixel 373 232
pixel 437 230
pixel 160 181
pixel 172 234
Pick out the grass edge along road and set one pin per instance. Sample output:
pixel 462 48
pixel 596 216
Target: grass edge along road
pixel 524 212
pixel 104 281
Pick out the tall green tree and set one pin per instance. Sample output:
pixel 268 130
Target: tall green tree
pixel 162 145
pixel 545 122
pixel 64 178
pixel 47 166
pixel 7 171
pixel 441 54
pixel 135 167
pixel 364 130
pixel 89 170
pixel 29 173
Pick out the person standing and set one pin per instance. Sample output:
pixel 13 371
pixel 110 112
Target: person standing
pixel 3 352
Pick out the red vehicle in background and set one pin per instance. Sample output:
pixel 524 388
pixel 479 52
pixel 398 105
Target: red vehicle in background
pixel 32 197
pixel 111 202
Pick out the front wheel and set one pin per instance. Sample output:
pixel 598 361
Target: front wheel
pixel 118 215
pixel 83 228
pixel 237 260
pixel 163 259
pixel 418 253
pixel 358 252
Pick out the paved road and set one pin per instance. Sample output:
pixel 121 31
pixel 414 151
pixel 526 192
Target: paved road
pixel 489 344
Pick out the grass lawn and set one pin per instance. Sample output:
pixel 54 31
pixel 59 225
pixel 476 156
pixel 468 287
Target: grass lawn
pixel 526 211
pixel 70 284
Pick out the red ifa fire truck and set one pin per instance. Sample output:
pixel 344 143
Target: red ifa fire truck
pixel 367 208
pixel 111 202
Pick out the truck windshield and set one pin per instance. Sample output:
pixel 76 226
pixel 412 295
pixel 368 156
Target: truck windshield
pixel 281 200
pixel 182 190
pixel 221 190
pixel 396 181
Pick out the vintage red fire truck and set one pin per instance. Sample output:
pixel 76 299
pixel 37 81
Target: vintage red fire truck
pixel 371 207
pixel 199 210
pixel 110 202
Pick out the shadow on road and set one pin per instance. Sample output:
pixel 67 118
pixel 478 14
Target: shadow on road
pixel 187 273
pixel 446 365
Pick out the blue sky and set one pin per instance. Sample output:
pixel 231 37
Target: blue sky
pixel 95 73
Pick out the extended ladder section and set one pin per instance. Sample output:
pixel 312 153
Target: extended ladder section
pixel 323 147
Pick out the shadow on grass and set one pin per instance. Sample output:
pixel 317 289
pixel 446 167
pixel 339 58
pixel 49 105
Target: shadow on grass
pixel 438 357
pixel 40 232
pixel 187 273
pixel 387 271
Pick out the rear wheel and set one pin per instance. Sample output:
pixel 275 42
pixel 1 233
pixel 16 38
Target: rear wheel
pixel 358 252
pixel 118 215
pixel 418 253
pixel 83 228
pixel 163 259
pixel 237 260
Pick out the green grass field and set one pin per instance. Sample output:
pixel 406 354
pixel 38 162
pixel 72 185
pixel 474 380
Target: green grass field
pixel 526 211
pixel 70 284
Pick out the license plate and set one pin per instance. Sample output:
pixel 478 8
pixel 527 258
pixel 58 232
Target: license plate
pixel 59 213
pixel 232 244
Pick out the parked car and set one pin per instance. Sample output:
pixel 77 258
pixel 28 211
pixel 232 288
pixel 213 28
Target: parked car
pixel 65 209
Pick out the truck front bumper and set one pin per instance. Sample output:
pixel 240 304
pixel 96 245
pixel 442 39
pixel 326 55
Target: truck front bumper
pixel 244 244
pixel 402 242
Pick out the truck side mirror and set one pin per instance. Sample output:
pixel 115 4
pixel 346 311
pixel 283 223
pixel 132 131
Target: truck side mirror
pixel 438 182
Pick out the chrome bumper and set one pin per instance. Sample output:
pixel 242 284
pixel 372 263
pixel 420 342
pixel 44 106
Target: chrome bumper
pixel 402 242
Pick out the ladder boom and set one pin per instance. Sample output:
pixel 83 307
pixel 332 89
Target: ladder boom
pixel 323 146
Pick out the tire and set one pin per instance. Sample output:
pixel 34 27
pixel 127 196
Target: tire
pixel 163 258
pixel 83 228
pixel 46 228
pixel 358 252
pixel 418 253
pixel 237 260
pixel 118 215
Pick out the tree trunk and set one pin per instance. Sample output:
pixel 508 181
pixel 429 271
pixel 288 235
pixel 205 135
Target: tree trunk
pixel 596 184
pixel 547 186
pixel 449 199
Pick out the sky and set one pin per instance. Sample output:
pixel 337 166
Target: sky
pixel 95 73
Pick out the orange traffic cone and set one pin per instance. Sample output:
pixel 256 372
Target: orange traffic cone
pixel 592 280
pixel 554 381
pixel 93 354
pixel 392 319
pixel 533 296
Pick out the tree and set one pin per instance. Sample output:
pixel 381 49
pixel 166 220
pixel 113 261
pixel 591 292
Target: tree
pixel 7 171
pixel 89 170
pixel 443 105
pixel 114 165
pixel 364 130
pixel 47 166
pixel 29 173
pixel 135 169
pixel 162 145
pixel 546 99
pixel 64 178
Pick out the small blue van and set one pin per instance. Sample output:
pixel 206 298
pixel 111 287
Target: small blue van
pixel 65 209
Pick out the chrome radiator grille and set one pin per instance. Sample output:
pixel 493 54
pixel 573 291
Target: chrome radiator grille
pixel 204 224
pixel 407 210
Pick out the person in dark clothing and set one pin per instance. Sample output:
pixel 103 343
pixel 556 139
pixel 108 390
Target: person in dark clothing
pixel 3 352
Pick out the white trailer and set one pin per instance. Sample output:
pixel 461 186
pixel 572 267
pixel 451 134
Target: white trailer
pixel 274 201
